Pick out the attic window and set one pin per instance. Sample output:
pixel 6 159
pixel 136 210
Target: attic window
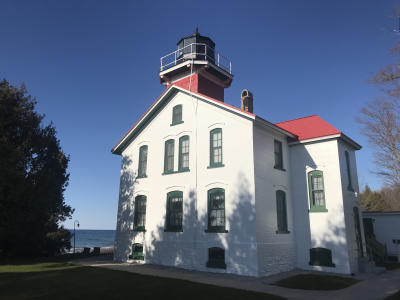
pixel 177 115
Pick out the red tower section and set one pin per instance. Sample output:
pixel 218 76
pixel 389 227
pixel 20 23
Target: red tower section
pixel 197 67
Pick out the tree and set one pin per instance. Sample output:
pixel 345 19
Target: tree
pixel 373 200
pixel 385 199
pixel 33 178
pixel 381 121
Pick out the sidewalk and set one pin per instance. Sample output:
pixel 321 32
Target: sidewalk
pixel 372 287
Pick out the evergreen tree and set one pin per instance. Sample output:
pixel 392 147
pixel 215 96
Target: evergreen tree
pixel 382 200
pixel 33 178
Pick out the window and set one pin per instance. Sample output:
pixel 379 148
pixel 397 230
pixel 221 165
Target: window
pixel 177 115
pixel 137 252
pixel 216 210
pixel 169 156
pixel 140 214
pixel 174 211
pixel 216 148
pixel 184 153
pixel 142 162
pixel 349 186
pixel 216 258
pixel 316 191
pixel 321 257
pixel 281 212
pixel 278 155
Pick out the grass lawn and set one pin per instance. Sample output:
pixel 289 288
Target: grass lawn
pixel 316 282
pixel 60 280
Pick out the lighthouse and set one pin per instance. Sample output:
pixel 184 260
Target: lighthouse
pixel 197 67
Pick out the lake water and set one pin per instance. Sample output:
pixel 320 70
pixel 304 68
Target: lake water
pixel 93 238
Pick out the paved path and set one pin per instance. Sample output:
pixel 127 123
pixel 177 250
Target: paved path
pixel 372 287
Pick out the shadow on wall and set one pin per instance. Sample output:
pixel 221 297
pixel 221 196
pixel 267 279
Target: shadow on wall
pixel 335 241
pixel 189 249
pixel 177 248
pixel 125 211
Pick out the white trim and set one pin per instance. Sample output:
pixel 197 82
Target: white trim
pixel 265 123
pixel 221 105
pixel 172 188
pixel 216 125
pixel 322 138
pixel 341 136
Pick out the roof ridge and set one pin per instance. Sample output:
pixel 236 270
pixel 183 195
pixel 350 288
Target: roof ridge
pixel 298 119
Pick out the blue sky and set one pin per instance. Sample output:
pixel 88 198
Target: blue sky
pixel 93 68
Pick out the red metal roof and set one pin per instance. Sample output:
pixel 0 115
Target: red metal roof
pixel 308 127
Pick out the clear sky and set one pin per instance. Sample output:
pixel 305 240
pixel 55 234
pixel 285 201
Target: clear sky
pixel 93 68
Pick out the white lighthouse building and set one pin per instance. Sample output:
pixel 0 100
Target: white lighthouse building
pixel 212 187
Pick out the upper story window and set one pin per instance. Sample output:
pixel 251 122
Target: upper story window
pixel 278 155
pixel 174 217
pixel 316 191
pixel 177 115
pixel 142 169
pixel 349 186
pixel 169 156
pixel 281 212
pixel 184 153
pixel 139 220
pixel 216 210
pixel 216 148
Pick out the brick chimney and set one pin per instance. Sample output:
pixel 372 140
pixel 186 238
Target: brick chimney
pixel 247 101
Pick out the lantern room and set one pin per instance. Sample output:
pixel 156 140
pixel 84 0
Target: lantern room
pixel 196 54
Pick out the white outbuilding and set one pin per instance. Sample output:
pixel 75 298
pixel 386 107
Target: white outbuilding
pixel 211 187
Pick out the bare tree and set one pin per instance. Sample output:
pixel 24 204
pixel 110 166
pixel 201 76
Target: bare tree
pixel 381 121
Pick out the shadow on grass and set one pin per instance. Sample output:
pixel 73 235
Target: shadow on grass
pixel 395 296
pixel 52 259
pixel 98 283
pixel 316 282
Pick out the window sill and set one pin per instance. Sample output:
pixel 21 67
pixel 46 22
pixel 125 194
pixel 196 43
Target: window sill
pixel 216 231
pixel 216 265
pixel 136 257
pixel 317 264
pixel 215 166
pixel 176 123
pixel 173 230
pixel 279 168
pixel 282 231
pixel 318 210
pixel 139 229
pixel 175 172
pixel 141 176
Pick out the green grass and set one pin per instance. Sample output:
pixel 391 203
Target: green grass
pixel 60 280
pixel 316 282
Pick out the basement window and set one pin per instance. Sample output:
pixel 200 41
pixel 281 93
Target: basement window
pixel 137 252
pixel 216 258
pixel 321 257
